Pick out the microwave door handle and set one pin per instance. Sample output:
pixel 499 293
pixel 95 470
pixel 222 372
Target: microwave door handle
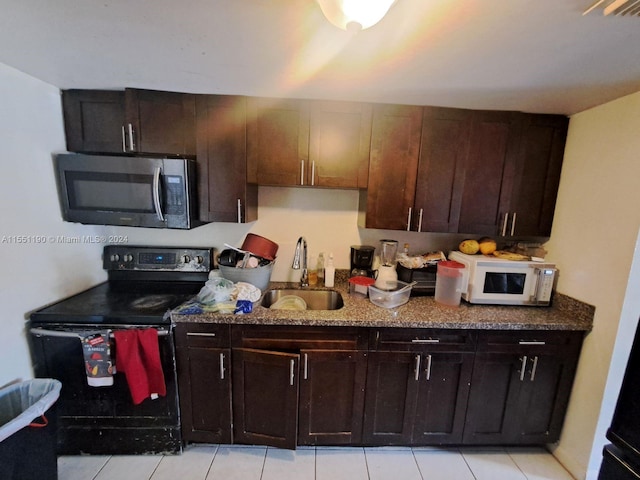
pixel 156 194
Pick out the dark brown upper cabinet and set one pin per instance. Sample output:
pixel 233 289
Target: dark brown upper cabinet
pixel 340 137
pixel 133 121
pixel 225 194
pixel 94 121
pixel 393 165
pixel 489 171
pixel 277 141
pixel 535 189
pixel 308 143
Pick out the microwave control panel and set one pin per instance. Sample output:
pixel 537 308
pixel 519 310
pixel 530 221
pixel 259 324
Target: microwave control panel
pixel 546 277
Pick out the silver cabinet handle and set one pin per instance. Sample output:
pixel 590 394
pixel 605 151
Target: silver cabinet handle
pixel 291 366
pixel 503 232
pixel 417 372
pixel 428 367
pixel 534 368
pixel 420 221
pixel 132 143
pixel 313 173
pixel 200 334
pixel 513 224
pixel 221 366
pixel 301 172
pixel 306 366
pixel 156 193
pixel 523 367
pixel 425 340
pixel 409 219
pixel 239 211
pixel 531 342
pixel 124 140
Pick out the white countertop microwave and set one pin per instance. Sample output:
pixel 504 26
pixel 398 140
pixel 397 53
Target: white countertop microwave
pixel 491 280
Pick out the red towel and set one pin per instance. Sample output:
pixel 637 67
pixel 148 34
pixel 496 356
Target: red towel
pixel 138 357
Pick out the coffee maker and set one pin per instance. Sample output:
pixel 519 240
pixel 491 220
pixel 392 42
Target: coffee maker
pixel 362 260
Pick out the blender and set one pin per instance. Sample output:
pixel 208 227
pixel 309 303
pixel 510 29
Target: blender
pixel 387 269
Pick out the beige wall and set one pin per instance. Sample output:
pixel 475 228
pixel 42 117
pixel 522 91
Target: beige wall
pixel 593 240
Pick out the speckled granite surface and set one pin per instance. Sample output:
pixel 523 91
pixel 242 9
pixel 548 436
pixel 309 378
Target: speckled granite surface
pixel 566 313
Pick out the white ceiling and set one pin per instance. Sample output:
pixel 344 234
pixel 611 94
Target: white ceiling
pixel 528 55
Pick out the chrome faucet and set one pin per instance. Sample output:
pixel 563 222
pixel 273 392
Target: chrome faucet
pixel 301 251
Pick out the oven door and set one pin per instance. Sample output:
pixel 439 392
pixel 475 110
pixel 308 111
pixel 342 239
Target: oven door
pixel 104 420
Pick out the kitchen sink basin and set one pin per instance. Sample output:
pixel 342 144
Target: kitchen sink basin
pixel 315 299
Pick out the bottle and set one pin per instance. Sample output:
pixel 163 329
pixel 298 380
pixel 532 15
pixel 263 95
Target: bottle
pixel 406 249
pixel 329 272
pixel 321 267
pixel 312 271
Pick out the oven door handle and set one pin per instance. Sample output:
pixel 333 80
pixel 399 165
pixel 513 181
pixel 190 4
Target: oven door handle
pixel 43 332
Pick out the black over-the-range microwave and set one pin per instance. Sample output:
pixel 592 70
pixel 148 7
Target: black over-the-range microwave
pixel 130 191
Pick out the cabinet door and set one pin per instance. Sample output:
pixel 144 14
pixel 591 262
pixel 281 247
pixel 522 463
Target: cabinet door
pixel 444 148
pixel 225 195
pixel 538 175
pixel 265 397
pixel 395 145
pixel 493 395
pixel 390 402
pixel 277 141
pixel 546 388
pixel 489 171
pixel 162 122
pixel 442 398
pixel 331 397
pixel 205 394
pixel 339 144
pixel 93 120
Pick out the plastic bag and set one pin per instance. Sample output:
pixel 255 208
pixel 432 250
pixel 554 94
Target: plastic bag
pixel 215 290
pixel 23 402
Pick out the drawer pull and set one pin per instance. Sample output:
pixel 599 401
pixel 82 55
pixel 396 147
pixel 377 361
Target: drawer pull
pixel 417 371
pixel 534 368
pixel 523 367
pixel 531 342
pixel 222 366
pixel 196 334
pixel 428 367
pixel 291 367
pixel 306 366
pixel 425 340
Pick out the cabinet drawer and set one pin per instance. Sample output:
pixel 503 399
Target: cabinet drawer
pixel 531 340
pixel 415 339
pixel 287 338
pixel 204 335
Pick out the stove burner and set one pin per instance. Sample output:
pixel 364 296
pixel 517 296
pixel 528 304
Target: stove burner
pixel 152 302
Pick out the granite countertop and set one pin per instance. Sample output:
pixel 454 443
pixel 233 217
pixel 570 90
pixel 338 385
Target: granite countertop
pixel 565 313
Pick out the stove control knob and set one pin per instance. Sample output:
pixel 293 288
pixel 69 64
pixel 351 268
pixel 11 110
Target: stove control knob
pixel 128 258
pixel 199 259
pixel 115 257
pixel 186 259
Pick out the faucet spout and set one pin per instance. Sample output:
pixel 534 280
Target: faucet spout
pixel 301 253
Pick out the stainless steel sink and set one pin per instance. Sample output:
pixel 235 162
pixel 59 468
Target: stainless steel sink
pixel 315 299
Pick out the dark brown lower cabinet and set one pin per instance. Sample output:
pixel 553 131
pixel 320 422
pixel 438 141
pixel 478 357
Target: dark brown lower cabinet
pixel 204 382
pixel 311 397
pixel 520 387
pixel 416 398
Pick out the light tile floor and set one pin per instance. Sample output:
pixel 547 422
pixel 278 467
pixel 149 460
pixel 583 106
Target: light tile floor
pixel 231 462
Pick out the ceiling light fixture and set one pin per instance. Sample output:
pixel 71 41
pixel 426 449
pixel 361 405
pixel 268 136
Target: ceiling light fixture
pixel 355 15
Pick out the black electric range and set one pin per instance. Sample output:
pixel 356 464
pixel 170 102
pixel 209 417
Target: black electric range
pixel 144 284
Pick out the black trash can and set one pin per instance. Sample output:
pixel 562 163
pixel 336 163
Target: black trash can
pixel 27 434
